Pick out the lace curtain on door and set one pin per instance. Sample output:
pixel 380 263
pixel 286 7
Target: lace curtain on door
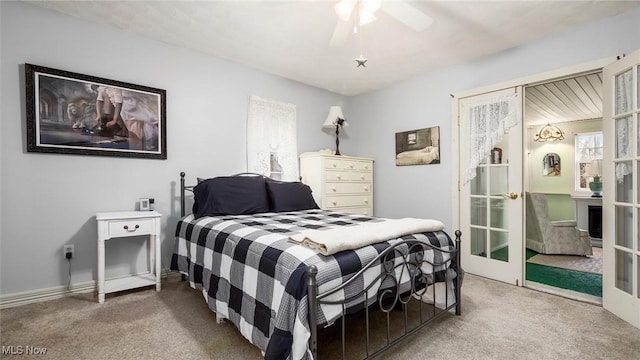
pixel 272 148
pixel 624 126
pixel 483 125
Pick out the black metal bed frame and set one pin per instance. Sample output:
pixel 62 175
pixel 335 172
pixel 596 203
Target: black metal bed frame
pixel 394 296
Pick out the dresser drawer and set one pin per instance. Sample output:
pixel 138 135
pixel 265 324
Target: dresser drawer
pixel 348 164
pixel 358 210
pixel 335 202
pixel 347 188
pixel 348 176
pixel 130 227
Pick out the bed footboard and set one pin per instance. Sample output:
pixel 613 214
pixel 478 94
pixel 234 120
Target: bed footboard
pixel 410 265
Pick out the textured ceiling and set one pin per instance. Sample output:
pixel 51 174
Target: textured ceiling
pixel 291 38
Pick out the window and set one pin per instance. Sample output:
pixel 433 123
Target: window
pixel 271 139
pixel 588 151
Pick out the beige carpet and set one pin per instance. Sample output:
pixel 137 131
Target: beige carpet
pixel 591 264
pixel 499 321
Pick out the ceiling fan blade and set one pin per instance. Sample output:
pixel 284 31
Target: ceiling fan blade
pixel 407 14
pixel 340 33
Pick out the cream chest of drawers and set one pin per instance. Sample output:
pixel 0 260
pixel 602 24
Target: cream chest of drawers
pixel 341 183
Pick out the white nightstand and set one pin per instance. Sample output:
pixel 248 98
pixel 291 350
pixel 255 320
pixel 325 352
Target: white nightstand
pixel 125 224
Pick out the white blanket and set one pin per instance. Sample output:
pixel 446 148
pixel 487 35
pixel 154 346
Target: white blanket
pixel 331 241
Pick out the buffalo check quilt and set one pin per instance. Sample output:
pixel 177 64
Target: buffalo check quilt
pixel 249 272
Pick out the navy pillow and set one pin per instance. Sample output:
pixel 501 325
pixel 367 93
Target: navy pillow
pixel 290 196
pixel 231 195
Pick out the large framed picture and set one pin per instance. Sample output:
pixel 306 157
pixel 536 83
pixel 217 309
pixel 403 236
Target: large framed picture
pixel 70 113
pixel 418 147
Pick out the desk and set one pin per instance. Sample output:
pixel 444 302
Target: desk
pixel 582 214
pixel 126 224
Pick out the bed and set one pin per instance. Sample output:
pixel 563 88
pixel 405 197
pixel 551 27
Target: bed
pixel 241 253
pixel 416 157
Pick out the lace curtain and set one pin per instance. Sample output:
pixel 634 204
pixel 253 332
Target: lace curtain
pixel 624 126
pixel 483 124
pixel 272 148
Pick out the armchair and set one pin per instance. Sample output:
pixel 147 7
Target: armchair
pixel 553 237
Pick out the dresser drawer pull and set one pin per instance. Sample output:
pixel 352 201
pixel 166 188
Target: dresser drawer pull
pixel 334 164
pixel 366 188
pixel 361 177
pixel 351 166
pixel 366 201
pixel 366 167
pixel 126 227
pixel 333 189
pixel 334 202
pixel 339 176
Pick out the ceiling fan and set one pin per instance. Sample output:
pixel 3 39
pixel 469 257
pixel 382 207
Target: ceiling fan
pixel 352 14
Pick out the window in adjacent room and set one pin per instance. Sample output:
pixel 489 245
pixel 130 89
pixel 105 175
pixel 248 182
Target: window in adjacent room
pixel 588 150
pixel 271 139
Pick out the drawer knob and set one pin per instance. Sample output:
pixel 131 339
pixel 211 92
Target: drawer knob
pixel 366 167
pixel 334 164
pixel 366 201
pixel 339 177
pixel 351 166
pixel 126 227
pixel 361 177
pixel 366 188
pixel 334 202
pixel 333 189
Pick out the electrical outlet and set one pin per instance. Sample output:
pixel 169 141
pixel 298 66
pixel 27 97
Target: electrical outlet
pixel 68 249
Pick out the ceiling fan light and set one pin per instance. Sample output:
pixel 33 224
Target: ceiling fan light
pixel 366 17
pixel 344 9
pixel 372 5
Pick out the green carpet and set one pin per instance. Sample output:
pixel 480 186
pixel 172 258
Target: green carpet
pixel 579 281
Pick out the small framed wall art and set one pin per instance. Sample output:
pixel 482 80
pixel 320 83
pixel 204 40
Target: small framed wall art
pixel 418 147
pixel 71 113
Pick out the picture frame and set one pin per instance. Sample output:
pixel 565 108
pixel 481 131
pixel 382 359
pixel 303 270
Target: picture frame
pixel 496 155
pixel 418 147
pixel 72 113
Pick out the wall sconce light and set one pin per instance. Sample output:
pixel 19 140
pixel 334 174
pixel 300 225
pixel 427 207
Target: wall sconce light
pixel 549 133
pixel 335 118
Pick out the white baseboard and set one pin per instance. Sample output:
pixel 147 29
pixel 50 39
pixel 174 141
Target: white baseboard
pixel 52 293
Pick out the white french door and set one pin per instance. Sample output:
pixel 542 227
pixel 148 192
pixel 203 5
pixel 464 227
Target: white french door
pixel 621 196
pixel 491 204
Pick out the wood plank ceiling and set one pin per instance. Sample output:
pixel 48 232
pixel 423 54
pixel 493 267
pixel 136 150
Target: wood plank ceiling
pixel 571 99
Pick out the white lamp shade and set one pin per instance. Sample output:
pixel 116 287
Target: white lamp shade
pixel 594 168
pixel 335 113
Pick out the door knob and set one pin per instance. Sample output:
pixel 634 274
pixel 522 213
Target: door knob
pixel 512 195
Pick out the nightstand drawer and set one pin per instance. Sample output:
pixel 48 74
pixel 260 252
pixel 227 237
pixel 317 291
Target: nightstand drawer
pixel 347 188
pixel 130 227
pixel 334 202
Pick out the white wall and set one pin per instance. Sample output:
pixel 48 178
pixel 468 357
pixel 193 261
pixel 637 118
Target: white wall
pixel 49 200
pixel 427 190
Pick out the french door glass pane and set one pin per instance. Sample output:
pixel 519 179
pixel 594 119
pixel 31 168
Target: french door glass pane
pixel 500 246
pixel 624 137
pixel 499 213
pixel 624 271
pixel 499 180
pixel 624 92
pixel 478 242
pixel 624 226
pixel 624 182
pixel 479 183
pixel 479 211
